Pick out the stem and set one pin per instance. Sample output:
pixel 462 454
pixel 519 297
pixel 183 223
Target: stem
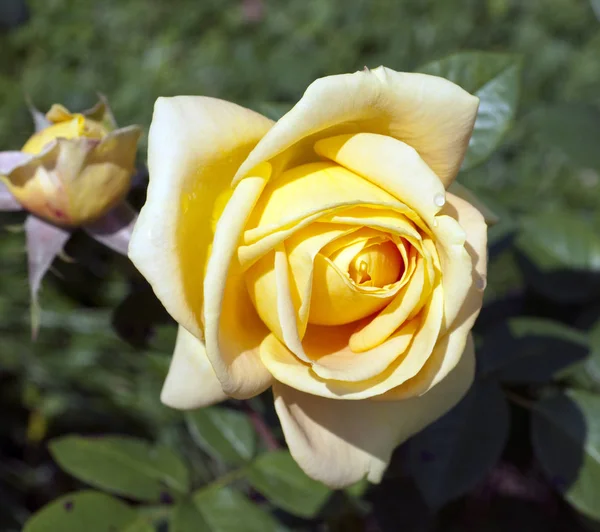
pixel 262 428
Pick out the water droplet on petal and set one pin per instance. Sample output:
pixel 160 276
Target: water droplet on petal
pixel 435 223
pixel 439 200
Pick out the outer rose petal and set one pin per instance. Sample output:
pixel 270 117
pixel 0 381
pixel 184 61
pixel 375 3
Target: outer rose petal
pixel 431 114
pixel 195 146
pixel 341 442
pixel 233 329
pixel 191 381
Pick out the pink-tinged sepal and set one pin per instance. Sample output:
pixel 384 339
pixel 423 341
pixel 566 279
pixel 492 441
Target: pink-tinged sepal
pixel 8 203
pixel 44 242
pixel 114 229
pixel 40 121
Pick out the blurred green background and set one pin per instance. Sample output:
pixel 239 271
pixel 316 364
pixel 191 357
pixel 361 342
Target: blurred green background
pixel 105 342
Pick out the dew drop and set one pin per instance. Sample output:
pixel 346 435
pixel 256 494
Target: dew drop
pixel 435 223
pixel 481 283
pixel 439 200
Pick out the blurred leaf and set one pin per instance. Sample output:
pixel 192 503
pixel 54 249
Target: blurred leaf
pixel 279 478
pixel 13 13
pixel 566 439
pixel 358 489
pixel 560 255
pixel 123 465
pixel 273 110
pixel 221 510
pixel 88 511
pixel 530 350
pixel 587 374
pixel 596 8
pixel 495 80
pixel 571 128
pixel 229 511
pixel 223 433
pixel 187 518
pixel 452 455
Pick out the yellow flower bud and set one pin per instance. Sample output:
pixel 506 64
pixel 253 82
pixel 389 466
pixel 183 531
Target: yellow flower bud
pixel 79 167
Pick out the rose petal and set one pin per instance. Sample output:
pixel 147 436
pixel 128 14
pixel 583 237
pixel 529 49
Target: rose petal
pixel 431 114
pixel 449 347
pixel 380 327
pixel 307 190
pixel 8 202
pixel 342 442
pixel 233 329
pixel 191 381
pixel 9 160
pixel 114 229
pixel 390 164
pixel 195 146
pixel 407 363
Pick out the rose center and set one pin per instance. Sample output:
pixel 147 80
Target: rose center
pixel 377 265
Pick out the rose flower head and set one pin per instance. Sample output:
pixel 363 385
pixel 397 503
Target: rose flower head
pixel 73 172
pixel 75 168
pixel 322 256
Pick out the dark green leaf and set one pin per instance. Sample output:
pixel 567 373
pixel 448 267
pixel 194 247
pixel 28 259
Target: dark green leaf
pixel 227 510
pixel 221 510
pixel 277 476
pixel 187 518
pixel 495 80
pixel 123 465
pixel 586 375
pixel 89 511
pixel 223 433
pixel 530 350
pixel 566 439
pixel 560 255
pixel 453 454
pixel 571 128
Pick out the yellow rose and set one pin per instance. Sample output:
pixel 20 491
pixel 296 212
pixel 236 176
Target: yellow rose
pixel 75 168
pixel 321 256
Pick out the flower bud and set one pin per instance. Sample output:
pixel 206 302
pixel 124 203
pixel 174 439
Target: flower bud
pixel 77 167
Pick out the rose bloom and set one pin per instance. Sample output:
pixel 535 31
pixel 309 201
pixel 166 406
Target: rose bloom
pixel 320 256
pixel 75 168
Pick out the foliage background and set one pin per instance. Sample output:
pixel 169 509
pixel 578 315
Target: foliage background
pixel 105 343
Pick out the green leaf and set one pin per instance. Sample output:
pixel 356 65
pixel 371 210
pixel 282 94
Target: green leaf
pixel 223 433
pixel 571 128
pixel 453 454
pixel 90 511
pixel 187 518
pixel 530 350
pixel 596 8
pixel 221 510
pixel 566 439
pixel 560 255
pixel 273 110
pixel 123 465
pixel 277 476
pixel 227 510
pixel 586 375
pixel 495 80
